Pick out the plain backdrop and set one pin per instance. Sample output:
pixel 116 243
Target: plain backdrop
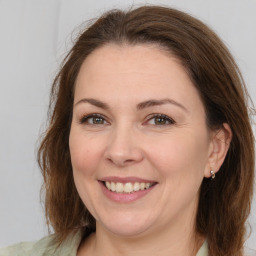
pixel 35 35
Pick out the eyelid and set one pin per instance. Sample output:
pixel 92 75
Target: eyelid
pixel 155 115
pixel 84 118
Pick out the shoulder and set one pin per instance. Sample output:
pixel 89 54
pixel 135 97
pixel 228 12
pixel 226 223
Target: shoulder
pixel 29 248
pixel 17 249
pixel 46 246
pixel 250 252
pixel 203 251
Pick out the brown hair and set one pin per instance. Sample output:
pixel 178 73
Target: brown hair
pixel 224 203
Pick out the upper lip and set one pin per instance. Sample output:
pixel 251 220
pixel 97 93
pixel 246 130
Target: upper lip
pixel 126 179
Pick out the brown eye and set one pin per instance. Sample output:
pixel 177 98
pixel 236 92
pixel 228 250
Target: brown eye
pixel 93 120
pixel 160 120
pixel 96 120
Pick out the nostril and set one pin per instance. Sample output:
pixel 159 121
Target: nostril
pixel 120 161
pixel 123 155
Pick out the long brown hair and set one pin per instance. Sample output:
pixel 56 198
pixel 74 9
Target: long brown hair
pixel 224 203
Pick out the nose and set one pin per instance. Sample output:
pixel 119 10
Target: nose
pixel 123 147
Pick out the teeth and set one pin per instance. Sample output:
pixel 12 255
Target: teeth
pixel 119 187
pixel 113 186
pixel 108 185
pixel 126 187
pixel 136 186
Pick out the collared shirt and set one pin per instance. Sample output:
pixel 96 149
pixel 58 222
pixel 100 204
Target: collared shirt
pixel 48 247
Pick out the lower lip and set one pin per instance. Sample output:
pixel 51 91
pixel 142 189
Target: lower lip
pixel 125 197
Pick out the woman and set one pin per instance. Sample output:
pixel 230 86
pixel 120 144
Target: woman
pixel 149 149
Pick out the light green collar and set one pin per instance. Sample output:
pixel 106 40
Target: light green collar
pixel 203 251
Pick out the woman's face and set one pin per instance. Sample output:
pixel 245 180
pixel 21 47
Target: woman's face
pixel 139 143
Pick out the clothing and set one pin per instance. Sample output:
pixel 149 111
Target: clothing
pixel 47 247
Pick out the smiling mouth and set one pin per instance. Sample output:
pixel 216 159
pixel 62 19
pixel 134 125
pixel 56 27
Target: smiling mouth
pixel 128 187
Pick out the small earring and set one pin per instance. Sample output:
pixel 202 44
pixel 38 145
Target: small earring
pixel 212 174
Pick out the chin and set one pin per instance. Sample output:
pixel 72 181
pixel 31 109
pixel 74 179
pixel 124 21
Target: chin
pixel 126 231
pixel 126 227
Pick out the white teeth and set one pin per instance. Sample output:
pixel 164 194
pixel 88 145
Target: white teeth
pixel 136 186
pixel 113 186
pixel 107 183
pixel 119 187
pixel 126 187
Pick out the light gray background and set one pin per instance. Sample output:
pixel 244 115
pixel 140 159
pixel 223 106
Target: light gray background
pixel 34 37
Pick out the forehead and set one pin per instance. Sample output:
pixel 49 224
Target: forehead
pixel 134 72
pixel 146 58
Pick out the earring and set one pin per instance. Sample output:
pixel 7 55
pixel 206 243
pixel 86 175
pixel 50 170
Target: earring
pixel 212 174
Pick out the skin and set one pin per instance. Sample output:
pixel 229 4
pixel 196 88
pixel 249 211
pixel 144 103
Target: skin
pixel 128 141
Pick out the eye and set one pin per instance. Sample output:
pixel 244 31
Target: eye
pixel 160 120
pixel 93 119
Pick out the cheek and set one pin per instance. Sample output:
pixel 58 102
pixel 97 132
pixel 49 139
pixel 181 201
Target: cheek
pixel 84 157
pixel 85 154
pixel 179 155
pixel 180 162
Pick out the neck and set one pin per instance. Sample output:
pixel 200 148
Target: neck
pixel 161 242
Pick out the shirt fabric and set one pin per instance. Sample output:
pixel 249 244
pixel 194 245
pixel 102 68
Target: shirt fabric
pixel 48 247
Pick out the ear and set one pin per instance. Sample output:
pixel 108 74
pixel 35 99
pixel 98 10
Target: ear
pixel 220 142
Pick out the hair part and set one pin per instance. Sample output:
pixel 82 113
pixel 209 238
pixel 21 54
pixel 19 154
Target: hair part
pixel 224 203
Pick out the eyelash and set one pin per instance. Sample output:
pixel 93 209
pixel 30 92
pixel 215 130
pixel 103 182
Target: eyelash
pixel 163 117
pixel 85 119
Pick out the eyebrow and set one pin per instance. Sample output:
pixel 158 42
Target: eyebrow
pixel 140 106
pixel 93 102
pixel 153 102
